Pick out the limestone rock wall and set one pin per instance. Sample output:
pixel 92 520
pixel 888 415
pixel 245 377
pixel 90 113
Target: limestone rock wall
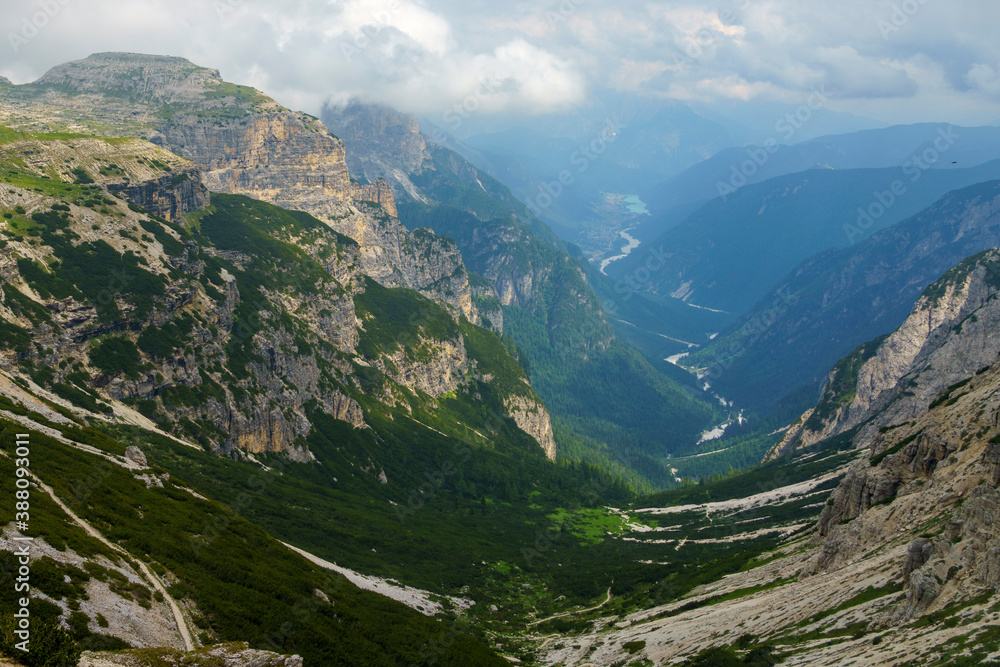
pixel 291 160
pixel 532 418
pixel 170 196
pixel 949 335
pixel 934 479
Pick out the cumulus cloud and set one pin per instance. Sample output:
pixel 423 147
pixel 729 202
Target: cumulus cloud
pixel 985 79
pixel 540 56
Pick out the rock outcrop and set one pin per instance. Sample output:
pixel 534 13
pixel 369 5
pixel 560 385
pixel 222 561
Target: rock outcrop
pixel 135 455
pixel 926 417
pixel 946 339
pixel 285 158
pixel 532 418
pixel 435 368
pixel 222 655
pixel 170 196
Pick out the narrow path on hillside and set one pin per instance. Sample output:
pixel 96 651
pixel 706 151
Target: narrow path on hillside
pixel 571 613
pixel 93 532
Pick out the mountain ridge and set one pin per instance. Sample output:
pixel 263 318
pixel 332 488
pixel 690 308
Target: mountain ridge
pixel 731 251
pixel 548 304
pixel 842 298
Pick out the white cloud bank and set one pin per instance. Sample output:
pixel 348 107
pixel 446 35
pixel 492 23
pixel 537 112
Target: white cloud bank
pixel 901 60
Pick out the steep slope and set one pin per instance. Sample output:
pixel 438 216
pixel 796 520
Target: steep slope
pixel 283 317
pixel 900 568
pixel 834 302
pixel 245 143
pixel 947 338
pixel 116 542
pixel 732 251
pixel 545 304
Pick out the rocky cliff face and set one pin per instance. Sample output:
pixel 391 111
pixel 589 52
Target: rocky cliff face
pixel 170 196
pixel 926 413
pixel 205 331
pixel 838 300
pixel 385 144
pixel 946 339
pixel 933 480
pixel 531 417
pixel 291 160
pixel 439 368
pixel 245 143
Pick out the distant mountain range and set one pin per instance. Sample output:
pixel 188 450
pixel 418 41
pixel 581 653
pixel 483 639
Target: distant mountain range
pixel 936 146
pixel 731 251
pixel 837 300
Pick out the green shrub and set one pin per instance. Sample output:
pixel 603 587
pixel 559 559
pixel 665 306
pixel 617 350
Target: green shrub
pixel 634 647
pixel 82 177
pixel 116 355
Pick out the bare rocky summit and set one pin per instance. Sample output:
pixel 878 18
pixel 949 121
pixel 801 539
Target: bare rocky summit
pixel 150 77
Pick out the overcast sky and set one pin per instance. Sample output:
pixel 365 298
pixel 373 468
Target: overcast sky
pixel 924 60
